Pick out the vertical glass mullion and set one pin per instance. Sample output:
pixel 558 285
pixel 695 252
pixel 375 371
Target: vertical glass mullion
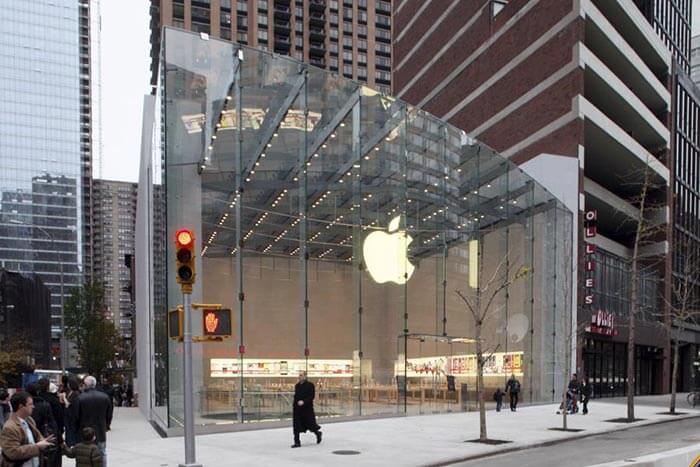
pixel 529 296
pixel 403 164
pixel 357 233
pixel 238 161
pixel 303 224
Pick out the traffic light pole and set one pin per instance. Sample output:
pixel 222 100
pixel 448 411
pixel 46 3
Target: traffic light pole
pixel 190 458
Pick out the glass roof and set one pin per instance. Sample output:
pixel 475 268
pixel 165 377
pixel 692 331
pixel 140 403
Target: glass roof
pixel 315 146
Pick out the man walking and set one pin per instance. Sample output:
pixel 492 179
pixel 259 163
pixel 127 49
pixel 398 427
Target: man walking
pixel 20 440
pixel 513 390
pixel 95 411
pixel 303 410
pixel 585 394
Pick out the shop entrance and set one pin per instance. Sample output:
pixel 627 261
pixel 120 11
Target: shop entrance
pixel 434 373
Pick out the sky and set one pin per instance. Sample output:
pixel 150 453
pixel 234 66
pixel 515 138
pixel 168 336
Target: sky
pixel 126 78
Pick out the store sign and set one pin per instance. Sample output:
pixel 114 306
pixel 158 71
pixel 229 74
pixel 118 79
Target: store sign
pixel 603 323
pixel 590 230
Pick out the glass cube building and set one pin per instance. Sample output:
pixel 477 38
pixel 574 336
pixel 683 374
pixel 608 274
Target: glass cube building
pixel 351 235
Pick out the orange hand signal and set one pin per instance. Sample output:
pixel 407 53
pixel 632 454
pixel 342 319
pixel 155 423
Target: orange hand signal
pixel 211 322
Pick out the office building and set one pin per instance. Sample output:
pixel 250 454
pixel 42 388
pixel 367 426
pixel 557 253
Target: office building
pixel 45 81
pixel 348 37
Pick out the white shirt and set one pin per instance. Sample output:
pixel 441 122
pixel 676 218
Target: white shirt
pixel 34 461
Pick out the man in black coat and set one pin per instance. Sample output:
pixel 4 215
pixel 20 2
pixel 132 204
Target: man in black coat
pixel 303 410
pixel 95 411
pixel 513 390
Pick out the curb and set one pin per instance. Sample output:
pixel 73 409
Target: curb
pixel 553 442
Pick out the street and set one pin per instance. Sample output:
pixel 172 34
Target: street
pixel 607 447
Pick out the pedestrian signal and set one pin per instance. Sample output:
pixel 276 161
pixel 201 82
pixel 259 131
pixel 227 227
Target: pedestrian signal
pixel 175 321
pixel 216 322
pixel 184 251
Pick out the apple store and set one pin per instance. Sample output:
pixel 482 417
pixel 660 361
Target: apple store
pixel 351 235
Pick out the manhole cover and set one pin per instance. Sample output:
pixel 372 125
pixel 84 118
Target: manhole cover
pixel 346 452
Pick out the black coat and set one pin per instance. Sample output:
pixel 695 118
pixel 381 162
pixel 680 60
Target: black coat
pixel 56 409
pixel 43 417
pixel 304 416
pixel 95 410
pixel 585 389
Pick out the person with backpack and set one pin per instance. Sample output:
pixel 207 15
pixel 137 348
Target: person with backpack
pixel 513 390
pixel 498 397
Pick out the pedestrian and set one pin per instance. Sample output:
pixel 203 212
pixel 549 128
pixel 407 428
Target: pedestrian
pixel 585 394
pixel 303 410
pixel 5 408
pixel 95 411
pixel 71 411
pixel 498 397
pixel 513 390
pixel 21 442
pixel 49 392
pixel 572 394
pixel 86 453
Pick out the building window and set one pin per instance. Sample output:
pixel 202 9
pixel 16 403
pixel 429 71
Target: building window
pixel 347 13
pixel 226 33
pixel 333 4
pixel 200 14
pixel 262 20
pixel 347 56
pixel 347 42
pixel 383 61
pixel 242 5
pixel 347 27
pixel 361 58
pixel 226 19
pixel 383 20
pixel 299 27
pixel 178 11
pixel 299 41
pixel 333 47
pixel 362 16
pixel 299 55
pixel 347 70
pixel 380 75
pixel 362 44
pixel 226 4
pixel 362 73
pixel 333 61
pixel 262 35
pixel 242 37
pixel 333 18
pixel 299 11
pixel 333 33
pixel 362 30
pixel 262 5
pixel 200 27
pixel 383 34
pixel 242 22
pixel 382 48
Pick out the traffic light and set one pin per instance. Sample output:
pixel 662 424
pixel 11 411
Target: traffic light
pixel 216 322
pixel 184 251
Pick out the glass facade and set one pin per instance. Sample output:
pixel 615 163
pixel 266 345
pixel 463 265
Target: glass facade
pixel 40 152
pixel 337 224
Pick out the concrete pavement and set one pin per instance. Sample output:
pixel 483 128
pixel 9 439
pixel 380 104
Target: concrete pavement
pixel 414 440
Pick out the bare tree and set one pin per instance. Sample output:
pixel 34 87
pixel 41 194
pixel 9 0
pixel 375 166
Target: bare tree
pixel 481 306
pixel 646 231
pixel 684 305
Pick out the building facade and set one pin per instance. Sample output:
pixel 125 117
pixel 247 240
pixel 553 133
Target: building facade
pixel 695 60
pixel 45 129
pixel 114 217
pixel 349 37
pixel 25 313
pixel 591 81
pixel 335 223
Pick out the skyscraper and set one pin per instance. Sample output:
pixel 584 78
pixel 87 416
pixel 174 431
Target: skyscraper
pixel 695 60
pixel 352 37
pixel 45 153
pixel 114 217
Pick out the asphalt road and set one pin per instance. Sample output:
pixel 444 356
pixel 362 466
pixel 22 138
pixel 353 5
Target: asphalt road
pixel 608 447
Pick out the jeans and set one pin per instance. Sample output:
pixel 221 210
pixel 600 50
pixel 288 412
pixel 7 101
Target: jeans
pixel 499 403
pixel 102 445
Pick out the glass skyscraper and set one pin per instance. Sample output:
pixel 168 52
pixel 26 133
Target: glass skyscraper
pixel 43 144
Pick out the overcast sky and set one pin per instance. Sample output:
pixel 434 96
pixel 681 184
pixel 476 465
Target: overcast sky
pixel 126 78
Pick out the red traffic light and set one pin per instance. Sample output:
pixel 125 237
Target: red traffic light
pixel 184 253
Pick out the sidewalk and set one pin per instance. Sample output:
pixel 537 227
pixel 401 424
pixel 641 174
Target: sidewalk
pixel 415 440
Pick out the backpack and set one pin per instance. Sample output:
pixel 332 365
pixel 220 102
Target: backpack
pixel 515 387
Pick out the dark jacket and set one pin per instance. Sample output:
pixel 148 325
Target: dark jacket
pixel 15 444
pixel 85 454
pixel 304 416
pixel 585 389
pixel 56 410
pixel 71 418
pixel 498 395
pixel 95 411
pixel 43 417
pixel 513 386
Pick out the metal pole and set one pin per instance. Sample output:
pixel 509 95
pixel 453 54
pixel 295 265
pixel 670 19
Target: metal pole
pixel 188 384
pixel 63 322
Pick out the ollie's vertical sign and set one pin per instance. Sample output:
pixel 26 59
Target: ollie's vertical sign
pixel 590 230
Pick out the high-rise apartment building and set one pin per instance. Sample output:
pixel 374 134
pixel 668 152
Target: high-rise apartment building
pixel 585 95
pixel 45 129
pixel 114 217
pixel 350 37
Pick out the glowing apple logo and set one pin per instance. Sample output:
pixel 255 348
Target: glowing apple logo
pixel 386 255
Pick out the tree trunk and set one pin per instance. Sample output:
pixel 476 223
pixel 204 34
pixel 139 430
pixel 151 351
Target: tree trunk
pixel 630 344
pixel 674 375
pixel 480 385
